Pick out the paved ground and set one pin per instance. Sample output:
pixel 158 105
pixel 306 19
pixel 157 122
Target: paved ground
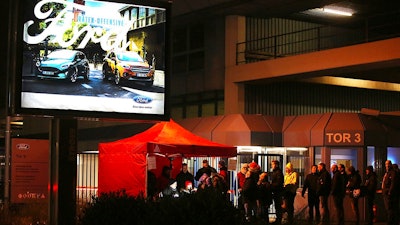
pixel 305 222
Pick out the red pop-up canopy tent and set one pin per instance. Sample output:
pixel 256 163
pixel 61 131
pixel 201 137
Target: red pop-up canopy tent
pixel 123 163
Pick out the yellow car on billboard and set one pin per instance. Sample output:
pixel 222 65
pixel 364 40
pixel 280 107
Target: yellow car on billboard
pixel 127 66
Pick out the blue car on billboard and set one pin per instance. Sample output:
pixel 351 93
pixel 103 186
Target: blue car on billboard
pixel 63 64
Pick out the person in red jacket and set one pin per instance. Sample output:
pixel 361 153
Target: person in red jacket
pixel 241 179
pixel 241 176
pixel 223 170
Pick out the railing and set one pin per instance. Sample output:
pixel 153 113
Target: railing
pixel 317 39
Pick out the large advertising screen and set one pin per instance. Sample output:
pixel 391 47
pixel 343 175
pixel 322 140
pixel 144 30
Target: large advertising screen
pixel 94 58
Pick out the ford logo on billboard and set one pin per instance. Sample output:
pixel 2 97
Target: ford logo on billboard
pixel 142 99
pixel 23 146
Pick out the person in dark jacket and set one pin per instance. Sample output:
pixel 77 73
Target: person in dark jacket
pixel 163 181
pixel 338 192
pixel 323 191
pixel 206 169
pixel 151 185
pixel 310 184
pixel 354 183
pixel 390 192
pixel 184 176
pixel 277 189
pixel 370 184
pixel 342 170
pixel 264 196
pixel 250 191
pixel 171 190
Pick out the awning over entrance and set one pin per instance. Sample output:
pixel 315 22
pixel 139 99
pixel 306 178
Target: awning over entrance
pixel 244 130
pixel 239 129
pixel 335 129
pixel 345 129
pixel 326 129
pixel 298 131
pixel 276 124
pixel 206 126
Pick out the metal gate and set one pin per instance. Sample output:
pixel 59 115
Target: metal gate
pixel 87 178
pixel 264 160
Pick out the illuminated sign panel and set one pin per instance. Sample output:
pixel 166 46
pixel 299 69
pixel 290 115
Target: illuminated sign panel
pixel 29 170
pixel 345 138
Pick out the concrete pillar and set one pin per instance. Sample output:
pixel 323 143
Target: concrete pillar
pixel 235 32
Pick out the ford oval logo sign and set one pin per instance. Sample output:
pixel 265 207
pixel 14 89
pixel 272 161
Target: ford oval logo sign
pixel 142 99
pixel 23 146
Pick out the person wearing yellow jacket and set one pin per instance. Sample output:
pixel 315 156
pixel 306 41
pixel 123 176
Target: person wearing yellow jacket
pixel 290 184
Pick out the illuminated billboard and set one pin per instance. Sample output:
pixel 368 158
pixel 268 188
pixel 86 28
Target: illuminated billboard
pixel 93 59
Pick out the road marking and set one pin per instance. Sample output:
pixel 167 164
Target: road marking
pixel 87 86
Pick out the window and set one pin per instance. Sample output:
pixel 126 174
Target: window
pixel 179 64
pixel 179 40
pixel 300 161
pixel 151 16
pixel 192 111
pixel 196 61
pixel 208 109
pixel 393 154
pixel 347 157
pixel 134 14
pixel 188 42
pixel 142 13
pixel 209 103
pixel 196 36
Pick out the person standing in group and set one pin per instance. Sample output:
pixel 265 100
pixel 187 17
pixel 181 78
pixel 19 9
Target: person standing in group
pixel 354 188
pixel 219 184
pixel 290 184
pixel 342 170
pixel 250 191
pixel 223 170
pixel 370 184
pixel 323 191
pixel 390 192
pixel 183 177
pixel 338 192
pixel 206 169
pixel 277 180
pixel 241 178
pixel 310 184
pixel 151 185
pixel 164 180
pixel 264 196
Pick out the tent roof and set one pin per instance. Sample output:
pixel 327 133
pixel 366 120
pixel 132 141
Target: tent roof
pixel 168 138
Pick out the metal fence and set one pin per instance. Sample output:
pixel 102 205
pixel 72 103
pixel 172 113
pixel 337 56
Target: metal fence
pixel 87 178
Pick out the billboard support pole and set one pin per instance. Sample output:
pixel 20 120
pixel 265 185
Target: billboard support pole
pixel 63 171
pixel 7 166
